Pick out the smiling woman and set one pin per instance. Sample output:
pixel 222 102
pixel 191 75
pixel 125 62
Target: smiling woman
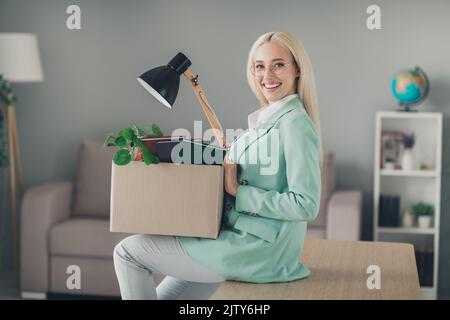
pixel 265 213
pixel 277 66
pixel 277 76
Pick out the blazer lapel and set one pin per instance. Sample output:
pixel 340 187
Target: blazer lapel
pixel 263 129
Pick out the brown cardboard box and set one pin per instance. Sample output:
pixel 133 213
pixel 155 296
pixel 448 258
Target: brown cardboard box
pixel 167 199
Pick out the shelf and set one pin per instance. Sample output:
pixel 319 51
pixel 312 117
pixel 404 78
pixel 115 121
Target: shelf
pixel 409 173
pixel 406 230
pixel 411 186
pixel 408 115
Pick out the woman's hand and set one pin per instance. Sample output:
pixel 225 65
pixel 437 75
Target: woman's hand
pixel 230 176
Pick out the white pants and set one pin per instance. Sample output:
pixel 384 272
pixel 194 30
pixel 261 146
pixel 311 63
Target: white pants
pixel 137 257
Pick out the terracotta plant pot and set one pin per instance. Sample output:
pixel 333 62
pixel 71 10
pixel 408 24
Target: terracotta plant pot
pixel 150 143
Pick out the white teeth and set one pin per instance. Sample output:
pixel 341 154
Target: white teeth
pixel 272 86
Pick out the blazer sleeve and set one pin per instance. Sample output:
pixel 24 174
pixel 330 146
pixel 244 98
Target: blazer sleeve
pixel 301 147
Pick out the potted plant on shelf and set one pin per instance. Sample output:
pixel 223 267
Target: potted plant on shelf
pixel 408 143
pixel 131 147
pixel 389 163
pixel 424 213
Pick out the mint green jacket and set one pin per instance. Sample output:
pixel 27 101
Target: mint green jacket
pixel 263 228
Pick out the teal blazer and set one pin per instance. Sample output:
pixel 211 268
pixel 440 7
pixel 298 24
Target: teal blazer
pixel 263 228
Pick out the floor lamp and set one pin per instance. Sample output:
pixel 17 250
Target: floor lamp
pixel 19 62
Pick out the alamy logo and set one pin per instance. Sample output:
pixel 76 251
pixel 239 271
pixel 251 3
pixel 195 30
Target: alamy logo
pixel 374 280
pixel 264 151
pixel 73 21
pixel 374 20
pixel 74 280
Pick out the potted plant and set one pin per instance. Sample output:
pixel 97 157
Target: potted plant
pixel 7 98
pixel 131 147
pixel 389 163
pixel 424 213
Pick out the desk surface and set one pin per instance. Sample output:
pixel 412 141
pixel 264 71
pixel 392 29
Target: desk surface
pixel 339 271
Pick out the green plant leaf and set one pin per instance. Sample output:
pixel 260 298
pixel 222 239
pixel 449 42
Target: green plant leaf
pixel 423 209
pixel 147 130
pixel 148 157
pixel 128 133
pixel 121 141
pixel 139 132
pixel 108 142
pixel 122 157
pixel 156 130
pixel 140 144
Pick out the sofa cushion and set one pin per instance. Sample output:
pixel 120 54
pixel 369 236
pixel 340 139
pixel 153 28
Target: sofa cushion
pixel 84 237
pixel 316 233
pixel 328 180
pixel 93 180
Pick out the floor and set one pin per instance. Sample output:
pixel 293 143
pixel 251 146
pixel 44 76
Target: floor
pixel 9 290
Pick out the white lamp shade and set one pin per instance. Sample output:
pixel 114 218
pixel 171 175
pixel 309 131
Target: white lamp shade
pixel 19 57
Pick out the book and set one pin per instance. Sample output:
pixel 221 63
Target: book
pixel 389 211
pixel 429 257
pixel 151 142
pixel 395 213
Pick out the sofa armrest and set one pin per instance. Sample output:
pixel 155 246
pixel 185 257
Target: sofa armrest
pixel 43 206
pixel 344 213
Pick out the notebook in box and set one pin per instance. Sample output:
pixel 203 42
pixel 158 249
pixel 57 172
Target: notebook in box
pixel 190 151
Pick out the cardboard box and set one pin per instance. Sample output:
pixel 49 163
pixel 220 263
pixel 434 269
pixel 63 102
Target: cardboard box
pixel 167 199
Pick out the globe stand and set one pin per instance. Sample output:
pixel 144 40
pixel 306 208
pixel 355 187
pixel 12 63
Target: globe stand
pixel 406 108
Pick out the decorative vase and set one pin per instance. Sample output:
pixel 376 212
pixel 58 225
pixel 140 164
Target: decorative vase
pixel 408 160
pixel 424 222
pixel 407 219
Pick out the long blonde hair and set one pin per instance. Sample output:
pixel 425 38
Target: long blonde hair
pixel 306 87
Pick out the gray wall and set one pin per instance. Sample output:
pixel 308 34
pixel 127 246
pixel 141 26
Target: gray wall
pixel 90 87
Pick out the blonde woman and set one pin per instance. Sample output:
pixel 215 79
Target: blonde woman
pixel 265 212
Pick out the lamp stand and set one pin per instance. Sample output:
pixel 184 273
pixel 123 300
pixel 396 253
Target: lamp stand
pixel 14 168
pixel 207 110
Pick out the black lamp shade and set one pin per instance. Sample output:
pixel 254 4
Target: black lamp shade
pixel 163 82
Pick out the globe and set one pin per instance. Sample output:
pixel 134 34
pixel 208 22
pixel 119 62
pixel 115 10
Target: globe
pixel 410 87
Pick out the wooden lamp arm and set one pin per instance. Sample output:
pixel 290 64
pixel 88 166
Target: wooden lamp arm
pixel 207 110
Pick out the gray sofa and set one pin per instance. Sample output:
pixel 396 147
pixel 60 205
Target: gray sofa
pixel 67 223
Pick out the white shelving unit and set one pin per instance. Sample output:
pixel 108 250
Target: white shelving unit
pixel 412 186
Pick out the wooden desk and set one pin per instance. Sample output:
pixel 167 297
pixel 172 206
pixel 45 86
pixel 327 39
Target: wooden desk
pixel 339 271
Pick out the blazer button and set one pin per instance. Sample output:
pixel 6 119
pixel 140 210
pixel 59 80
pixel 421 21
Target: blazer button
pixel 244 182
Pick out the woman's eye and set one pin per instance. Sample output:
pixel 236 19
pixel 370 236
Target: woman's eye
pixel 258 66
pixel 279 65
